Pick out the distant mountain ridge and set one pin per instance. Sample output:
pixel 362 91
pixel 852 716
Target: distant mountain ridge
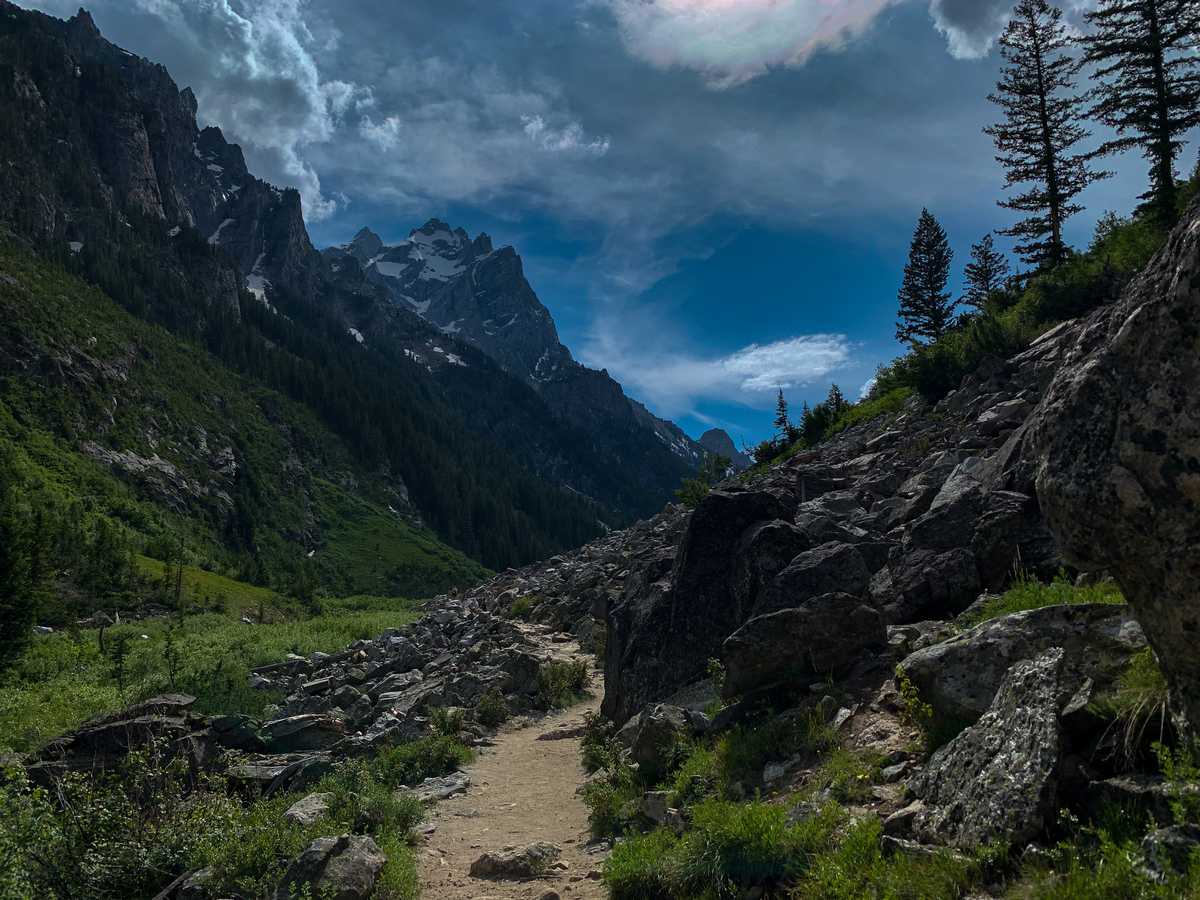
pixel 479 294
pixel 104 171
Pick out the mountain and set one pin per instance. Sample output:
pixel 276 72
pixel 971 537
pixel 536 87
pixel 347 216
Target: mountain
pixel 106 177
pixel 478 294
pixel 718 441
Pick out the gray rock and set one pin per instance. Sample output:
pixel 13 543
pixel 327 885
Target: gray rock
pixel 516 863
pixel 311 731
pixel 433 789
pixel 996 782
pixel 309 810
pixel 825 635
pixel 659 732
pixel 1168 852
pixel 1118 441
pixel 334 868
pixel 959 677
pixel 830 568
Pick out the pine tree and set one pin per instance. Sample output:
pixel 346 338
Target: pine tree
pixel 836 401
pixel 985 273
pixel 1036 92
pixel 1149 88
pixel 16 601
pixel 926 309
pixel 782 423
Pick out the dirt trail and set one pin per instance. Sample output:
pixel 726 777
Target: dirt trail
pixel 522 790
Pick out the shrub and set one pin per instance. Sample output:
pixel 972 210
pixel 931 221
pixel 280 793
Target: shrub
pixel 447 721
pixel 561 683
pixel 523 607
pixel 492 710
pixel 743 751
pixel 412 763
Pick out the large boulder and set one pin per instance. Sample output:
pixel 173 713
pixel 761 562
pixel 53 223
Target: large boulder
pixel 959 677
pixel 996 781
pixel 670 622
pixel 334 868
pixel 824 636
pixel 829 568
pixel 1118 435
pixel 311 731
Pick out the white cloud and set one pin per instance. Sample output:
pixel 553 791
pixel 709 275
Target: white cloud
pixel 868 386
pixel 674 383
pixel 970 26
pixel 560 140
pixel 733 41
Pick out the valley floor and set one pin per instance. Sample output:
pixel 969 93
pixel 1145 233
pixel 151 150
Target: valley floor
pixel 523 790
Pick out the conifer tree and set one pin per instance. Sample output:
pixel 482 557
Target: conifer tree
pixel 926 309
pixel 1036 93
pixel 782 423
pixel 836 401
pixel 1149 83
pixel 984 274
pixel 16 601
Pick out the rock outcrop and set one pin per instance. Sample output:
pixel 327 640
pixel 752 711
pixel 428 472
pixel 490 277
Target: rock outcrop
pixel 905 518
pixel 959 677
pixel 1118 438
pixel 996 782
pixel 338 868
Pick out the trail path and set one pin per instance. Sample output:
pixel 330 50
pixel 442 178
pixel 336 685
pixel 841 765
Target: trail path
pixel 522 790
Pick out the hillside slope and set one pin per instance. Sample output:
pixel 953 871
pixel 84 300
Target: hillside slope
pixel 156 434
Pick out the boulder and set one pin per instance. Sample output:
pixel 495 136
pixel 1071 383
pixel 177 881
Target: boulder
pixel 516 863
pixel 959 677
pixel 1118 441
pixel 923 584
pixel 334 868
pixel 311 731
pixel 829 568
pixel 309 810
pixel 996 781
pixel 1168 852
pixel 826 635
pixel 660 731
pixel 675 612
pixel 433 789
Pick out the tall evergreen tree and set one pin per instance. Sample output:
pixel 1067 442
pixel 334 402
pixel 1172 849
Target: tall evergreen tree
pixel 836 401
pixel 1149 84
pixel 782 423
pixel 985 273
pixel 1041 109
pixel 926 309
pixel 16 600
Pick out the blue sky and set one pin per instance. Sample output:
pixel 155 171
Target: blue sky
pixel 713 197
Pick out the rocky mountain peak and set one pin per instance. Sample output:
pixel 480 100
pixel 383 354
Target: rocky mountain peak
pixel 718 441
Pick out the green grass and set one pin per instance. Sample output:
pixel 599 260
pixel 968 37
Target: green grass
pixel 62 679
pixel 210 591
pixel 1137 705
pixel 1028 593
pixel 888 403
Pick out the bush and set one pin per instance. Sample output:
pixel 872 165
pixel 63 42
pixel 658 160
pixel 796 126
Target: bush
pixel 492 710
pixel 745 750
pixel 561 683
pixel 411 763
pixel 523 607
pixel 447 721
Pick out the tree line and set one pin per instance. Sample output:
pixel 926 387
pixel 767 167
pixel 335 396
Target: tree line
pixel 1145 74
